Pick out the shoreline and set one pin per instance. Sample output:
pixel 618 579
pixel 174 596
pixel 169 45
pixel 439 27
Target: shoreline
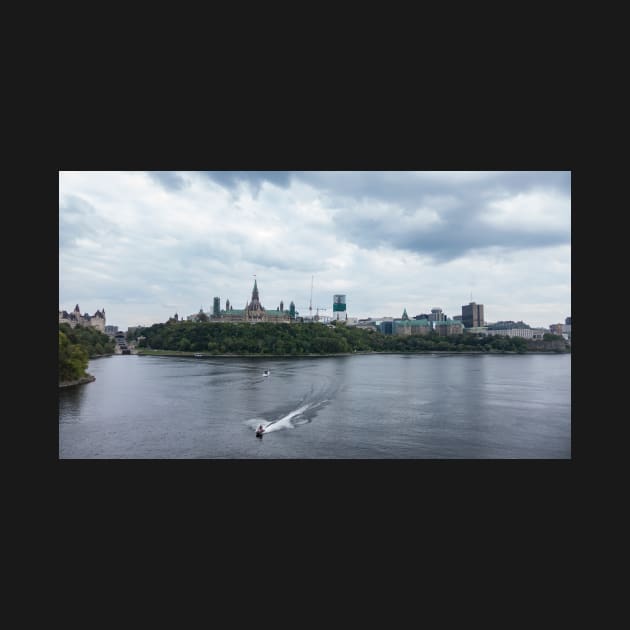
pixel 177 353
pixel 81 381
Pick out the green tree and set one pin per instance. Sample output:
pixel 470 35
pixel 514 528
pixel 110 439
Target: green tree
pixel 551 337
pixel 300 338
pixel 73 359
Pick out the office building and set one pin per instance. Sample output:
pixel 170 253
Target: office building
pixel 472 315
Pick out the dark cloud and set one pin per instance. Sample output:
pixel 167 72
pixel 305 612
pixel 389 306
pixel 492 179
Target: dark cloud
pixel 448 243
pixel 255 179
pixel 459 200
pixel 451 239
pixel 410 190
pixel 168 179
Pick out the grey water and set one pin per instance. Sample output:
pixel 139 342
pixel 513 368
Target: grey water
pixel 346 407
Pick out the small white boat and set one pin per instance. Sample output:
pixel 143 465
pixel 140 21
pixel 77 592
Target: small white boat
pixel 266 373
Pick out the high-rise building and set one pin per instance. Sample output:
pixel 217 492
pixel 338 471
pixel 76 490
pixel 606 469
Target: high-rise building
pixel 339 307
pixel 472 315
pixel 216 308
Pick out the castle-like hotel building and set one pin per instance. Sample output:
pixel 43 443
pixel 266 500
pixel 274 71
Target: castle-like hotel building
pixel 76 319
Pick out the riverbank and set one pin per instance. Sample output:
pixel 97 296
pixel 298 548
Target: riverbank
pixel 206 355
pixel 201 355
pixel 81 381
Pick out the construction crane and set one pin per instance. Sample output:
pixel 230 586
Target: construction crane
pixel 311 318
pixel 319 308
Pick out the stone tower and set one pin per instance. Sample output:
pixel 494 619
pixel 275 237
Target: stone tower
pixel 254 310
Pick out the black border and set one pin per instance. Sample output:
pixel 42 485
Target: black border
pixel 274 136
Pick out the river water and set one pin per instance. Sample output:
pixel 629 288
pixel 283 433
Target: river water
pixel 349 407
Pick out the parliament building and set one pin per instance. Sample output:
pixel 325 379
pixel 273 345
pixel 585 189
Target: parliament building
pixel 253 312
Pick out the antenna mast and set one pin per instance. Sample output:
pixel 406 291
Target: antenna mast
pixel 310 303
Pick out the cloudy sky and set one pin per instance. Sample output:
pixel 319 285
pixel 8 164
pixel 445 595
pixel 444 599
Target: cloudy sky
pixel 144 245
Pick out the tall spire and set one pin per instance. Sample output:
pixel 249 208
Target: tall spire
pixel 404 315
pixel 255 304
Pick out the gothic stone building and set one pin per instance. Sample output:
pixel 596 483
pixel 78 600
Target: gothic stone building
pixel 76 319
pixel 252 313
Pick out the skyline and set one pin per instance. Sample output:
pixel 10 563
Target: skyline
pixel 144 245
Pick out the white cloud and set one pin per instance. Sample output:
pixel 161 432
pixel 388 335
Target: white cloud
pixel 531 211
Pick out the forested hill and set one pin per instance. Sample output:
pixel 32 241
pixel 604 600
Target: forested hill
pixel 299 339
pixel 76 346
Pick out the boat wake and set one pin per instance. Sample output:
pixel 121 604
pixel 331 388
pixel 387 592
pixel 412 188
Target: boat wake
pixel 300 412
pixel 296 417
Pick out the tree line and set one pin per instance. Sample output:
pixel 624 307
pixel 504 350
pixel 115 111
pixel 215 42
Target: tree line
pixel 77 346
pixel 297 339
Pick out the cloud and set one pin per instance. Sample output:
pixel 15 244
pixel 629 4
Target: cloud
pixel 254 179
pixel 531 212
pixel 147 245
pixel 169 180
pixel 447 215
pixel 81 225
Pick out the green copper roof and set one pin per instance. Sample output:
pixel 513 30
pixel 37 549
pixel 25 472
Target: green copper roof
pixel 240 312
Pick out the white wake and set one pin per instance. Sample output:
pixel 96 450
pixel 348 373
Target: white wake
pixel 287 421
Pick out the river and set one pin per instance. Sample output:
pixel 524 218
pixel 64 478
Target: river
pixel 347 407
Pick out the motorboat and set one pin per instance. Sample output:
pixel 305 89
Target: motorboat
pixel 259 432
pixel 266 373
